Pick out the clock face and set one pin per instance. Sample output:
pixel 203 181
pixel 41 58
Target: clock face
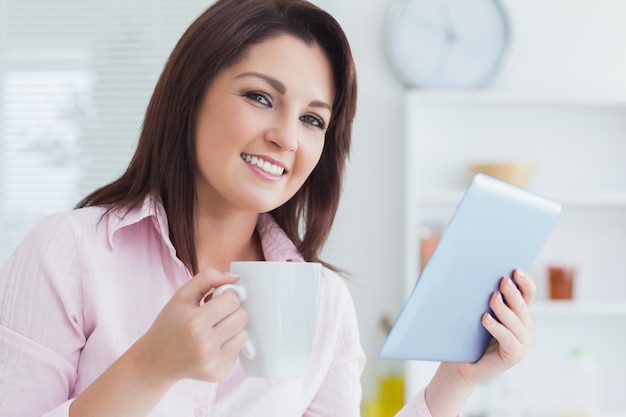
pixel 447 43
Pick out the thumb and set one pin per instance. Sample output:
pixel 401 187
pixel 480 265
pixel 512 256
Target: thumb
pixel 195 290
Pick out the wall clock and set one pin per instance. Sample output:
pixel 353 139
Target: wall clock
pixel 446 43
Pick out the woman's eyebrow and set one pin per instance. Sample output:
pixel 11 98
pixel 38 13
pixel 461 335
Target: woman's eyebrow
pixel 317 103
pixel 277 85
pixel 280 87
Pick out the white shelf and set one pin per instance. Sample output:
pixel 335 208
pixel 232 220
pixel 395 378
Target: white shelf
pixel 594 199
pixel 553 308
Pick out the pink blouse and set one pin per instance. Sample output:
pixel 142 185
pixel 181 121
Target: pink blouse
pixel 78 292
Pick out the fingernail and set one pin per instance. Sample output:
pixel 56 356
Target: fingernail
pixel 231 274
pixel 487 318
pixel 519 275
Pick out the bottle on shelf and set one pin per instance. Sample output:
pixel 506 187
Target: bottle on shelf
pixel 579 385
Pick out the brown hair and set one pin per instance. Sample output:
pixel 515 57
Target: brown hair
pixel 164 163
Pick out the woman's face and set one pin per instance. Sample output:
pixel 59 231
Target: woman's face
pixel 261 126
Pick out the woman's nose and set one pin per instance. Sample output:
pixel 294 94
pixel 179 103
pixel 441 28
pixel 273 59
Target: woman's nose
pixel 283 136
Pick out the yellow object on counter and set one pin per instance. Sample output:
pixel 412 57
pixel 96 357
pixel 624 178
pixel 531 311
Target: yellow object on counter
pixel 391 398
pixel 371 408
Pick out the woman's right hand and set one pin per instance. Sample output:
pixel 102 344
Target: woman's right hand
pixel 188 339
pixel 194 338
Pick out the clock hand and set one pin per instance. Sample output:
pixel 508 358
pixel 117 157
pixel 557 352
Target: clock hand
pixel 450 31
pixel 439 68
pixel 426 24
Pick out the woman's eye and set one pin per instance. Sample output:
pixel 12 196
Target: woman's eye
pixel 258 97
pixel 313 121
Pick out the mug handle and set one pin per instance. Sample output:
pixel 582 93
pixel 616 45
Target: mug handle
pixel 248 350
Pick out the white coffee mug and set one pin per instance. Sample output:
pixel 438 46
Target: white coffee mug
pixel 282 300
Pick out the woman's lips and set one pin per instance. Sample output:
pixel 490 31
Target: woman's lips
pixel 262 164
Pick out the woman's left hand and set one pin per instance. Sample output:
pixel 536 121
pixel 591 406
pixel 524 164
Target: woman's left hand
pixel 454 382
pixel 511 331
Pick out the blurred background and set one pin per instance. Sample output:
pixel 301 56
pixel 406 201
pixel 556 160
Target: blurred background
pixel 76 75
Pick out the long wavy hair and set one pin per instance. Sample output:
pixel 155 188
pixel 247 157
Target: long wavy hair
pixel 164 163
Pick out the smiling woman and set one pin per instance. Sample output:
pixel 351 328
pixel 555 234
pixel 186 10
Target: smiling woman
pixel 241 157
pixel 269 108
pixel 193 65
pixel 276 83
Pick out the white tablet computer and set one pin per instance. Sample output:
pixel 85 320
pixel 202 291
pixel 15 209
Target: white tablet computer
pixel 496 228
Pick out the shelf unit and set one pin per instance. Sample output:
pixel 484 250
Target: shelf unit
pixel 577 142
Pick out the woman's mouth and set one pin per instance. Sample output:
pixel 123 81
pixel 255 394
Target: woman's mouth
pixel 266 166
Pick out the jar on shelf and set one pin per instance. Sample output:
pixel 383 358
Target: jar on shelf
pixel 429 239
pixel 561 282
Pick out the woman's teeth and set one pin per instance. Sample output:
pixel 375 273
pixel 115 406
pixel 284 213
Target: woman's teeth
pixel 264 165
